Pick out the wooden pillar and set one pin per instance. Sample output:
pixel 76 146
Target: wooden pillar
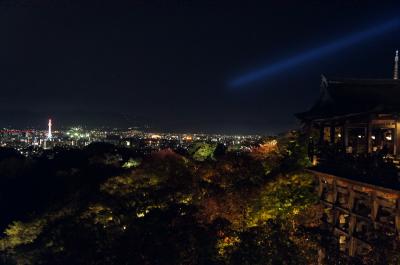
pixel 321 134
pixel 335 214
pixel 396 137
pixel 350 204
pixel 335 192
pixel 374 206
pixel 332 128
pixel 369 139
pixel 397 224
pixel 352 224
pixel 397 218
pixel 345 136
pixel 320 187
pixel 353 241
pixel 321 256
pixel 352 247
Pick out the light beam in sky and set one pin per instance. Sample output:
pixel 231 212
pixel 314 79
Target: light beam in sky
pixel 308 55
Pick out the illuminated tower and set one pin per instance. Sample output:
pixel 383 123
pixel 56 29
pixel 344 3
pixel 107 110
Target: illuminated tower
pixel 49 135
pixel 396 66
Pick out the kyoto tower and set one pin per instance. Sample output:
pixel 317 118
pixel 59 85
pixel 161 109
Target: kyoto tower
pixel 49 135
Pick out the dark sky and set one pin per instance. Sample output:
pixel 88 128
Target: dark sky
pixel 168 63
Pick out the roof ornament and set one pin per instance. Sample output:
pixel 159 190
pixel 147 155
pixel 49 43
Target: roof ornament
pixel 324 81
pixel 396 66
pixel 324 94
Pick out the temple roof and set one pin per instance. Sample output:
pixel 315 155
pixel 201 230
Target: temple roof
pixel 341 97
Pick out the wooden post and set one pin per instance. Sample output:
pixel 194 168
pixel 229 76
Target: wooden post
pixel 336 219
pixel 335 192
pixel 352 247
pixel 320 187
pixel 321 134
pixel 332 134
pixel 397 218
pixel 395 140
pixel 374 206
pixel 353 241
pixel 345 136
pixel 321 256
pixel 369 139
pixel 350 203
pixel 397 137
pixel 397 224
pixel 352 224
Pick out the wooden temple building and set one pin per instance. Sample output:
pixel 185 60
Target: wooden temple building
pixel 359 117
pixel 362 115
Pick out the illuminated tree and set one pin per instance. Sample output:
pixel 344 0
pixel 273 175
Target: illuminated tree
pixel 264 244
pixel 294 149
pixel 19 233
pixel 283 198
pixel 209 207
pixel 202 151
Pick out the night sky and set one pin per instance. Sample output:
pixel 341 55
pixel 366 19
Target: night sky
pixel 170 64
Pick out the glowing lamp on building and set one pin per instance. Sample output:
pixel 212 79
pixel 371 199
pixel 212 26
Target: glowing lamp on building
pixel 155 136
pixel 188 138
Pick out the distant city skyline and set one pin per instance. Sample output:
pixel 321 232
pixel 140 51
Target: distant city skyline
pixel 39 120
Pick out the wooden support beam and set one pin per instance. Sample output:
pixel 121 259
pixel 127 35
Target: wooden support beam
pixel 352 247
pixel 321 133
pixel 345 136
pixel 320 188
pixel 374 206
pixel 335 217
pixel 395 140
pixel 342 189
pixel 397 218
pixel 350 204
pixel 335 192
pixel 369 139
pixel 332 129
pixel 352 224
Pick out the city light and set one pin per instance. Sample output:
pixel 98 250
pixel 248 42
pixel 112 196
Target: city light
pixel 49 134
pixel 147 142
